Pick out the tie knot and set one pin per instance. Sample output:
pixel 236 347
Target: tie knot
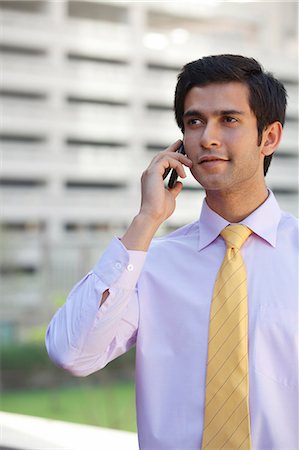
pixel 235 235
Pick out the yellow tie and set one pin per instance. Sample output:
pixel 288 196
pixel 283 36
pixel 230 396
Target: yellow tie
pixel 226 420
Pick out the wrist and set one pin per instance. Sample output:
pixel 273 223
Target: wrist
pixel 141 232
pixel 147 220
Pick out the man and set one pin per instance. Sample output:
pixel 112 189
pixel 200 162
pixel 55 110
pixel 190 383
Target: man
pixel 163 295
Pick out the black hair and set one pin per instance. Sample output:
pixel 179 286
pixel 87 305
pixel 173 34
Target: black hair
pixel 267 95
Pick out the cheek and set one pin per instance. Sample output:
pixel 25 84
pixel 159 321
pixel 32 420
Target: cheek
pixel 242 147
pixel 191 144
pixel 234 139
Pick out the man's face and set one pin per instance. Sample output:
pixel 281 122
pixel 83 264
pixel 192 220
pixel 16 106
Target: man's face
pixel 221 139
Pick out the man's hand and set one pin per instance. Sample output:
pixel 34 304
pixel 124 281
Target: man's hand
pixel 157 201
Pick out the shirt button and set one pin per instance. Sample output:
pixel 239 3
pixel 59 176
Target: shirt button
pixel 130 267
pixel 118 266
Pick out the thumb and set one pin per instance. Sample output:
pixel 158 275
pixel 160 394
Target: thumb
pixel 176 189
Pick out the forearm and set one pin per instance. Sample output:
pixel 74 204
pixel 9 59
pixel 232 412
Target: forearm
pixel 71 324
pixel 83 338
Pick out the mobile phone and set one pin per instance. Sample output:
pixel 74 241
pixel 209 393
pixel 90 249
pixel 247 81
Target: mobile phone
pixel 174 176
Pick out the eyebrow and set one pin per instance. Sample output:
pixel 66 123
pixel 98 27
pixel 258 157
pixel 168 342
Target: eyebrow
pixel 224 112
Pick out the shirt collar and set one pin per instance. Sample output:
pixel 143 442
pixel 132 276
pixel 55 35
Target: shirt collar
pixel 263 222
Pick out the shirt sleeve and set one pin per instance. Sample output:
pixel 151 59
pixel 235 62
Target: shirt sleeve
pixel 83 336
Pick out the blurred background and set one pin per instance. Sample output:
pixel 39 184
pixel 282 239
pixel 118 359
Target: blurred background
pixel 86 100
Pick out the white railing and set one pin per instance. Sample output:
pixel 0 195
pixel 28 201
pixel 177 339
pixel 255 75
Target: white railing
pixel 28 433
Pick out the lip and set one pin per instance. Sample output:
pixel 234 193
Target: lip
pixel 211 159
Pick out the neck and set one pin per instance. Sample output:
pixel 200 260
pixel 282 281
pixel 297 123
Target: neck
pixel 235 206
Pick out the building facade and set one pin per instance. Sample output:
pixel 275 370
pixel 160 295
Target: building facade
pixel 87 99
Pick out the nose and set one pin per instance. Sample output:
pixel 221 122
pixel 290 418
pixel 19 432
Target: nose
pixel 210 137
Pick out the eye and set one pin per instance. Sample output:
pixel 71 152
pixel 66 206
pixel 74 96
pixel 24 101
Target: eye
pixel 194 121
pixel 229 119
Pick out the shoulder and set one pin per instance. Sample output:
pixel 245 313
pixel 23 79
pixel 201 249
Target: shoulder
pixel 288 221
pixel 288 229
pixel 181 234
pixel 182 239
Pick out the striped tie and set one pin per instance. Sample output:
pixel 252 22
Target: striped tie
pixel 226 420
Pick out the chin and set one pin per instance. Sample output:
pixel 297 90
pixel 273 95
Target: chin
pixel 211 181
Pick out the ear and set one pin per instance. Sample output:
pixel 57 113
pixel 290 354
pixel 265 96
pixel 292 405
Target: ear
pixel 271 138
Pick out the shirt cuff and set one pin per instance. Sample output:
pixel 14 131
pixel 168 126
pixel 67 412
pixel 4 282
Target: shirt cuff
pixel 120 265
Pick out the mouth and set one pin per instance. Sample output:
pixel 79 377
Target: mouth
pixel 211 160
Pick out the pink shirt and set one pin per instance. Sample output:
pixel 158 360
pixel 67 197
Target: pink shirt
pixel 160 302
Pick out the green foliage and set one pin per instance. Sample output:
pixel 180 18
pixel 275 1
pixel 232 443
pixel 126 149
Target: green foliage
pixel 111 406
pixel 24 356
pixel 105 398
pixel 37 335
pixel 59 300
pixel 28 366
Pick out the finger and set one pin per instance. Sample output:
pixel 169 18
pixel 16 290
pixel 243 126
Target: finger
pixel 169 160
pixel 166 172
pixel 178 166
pixel 180 156
pixel 176 189
pixel 175 146
pixel 184 159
